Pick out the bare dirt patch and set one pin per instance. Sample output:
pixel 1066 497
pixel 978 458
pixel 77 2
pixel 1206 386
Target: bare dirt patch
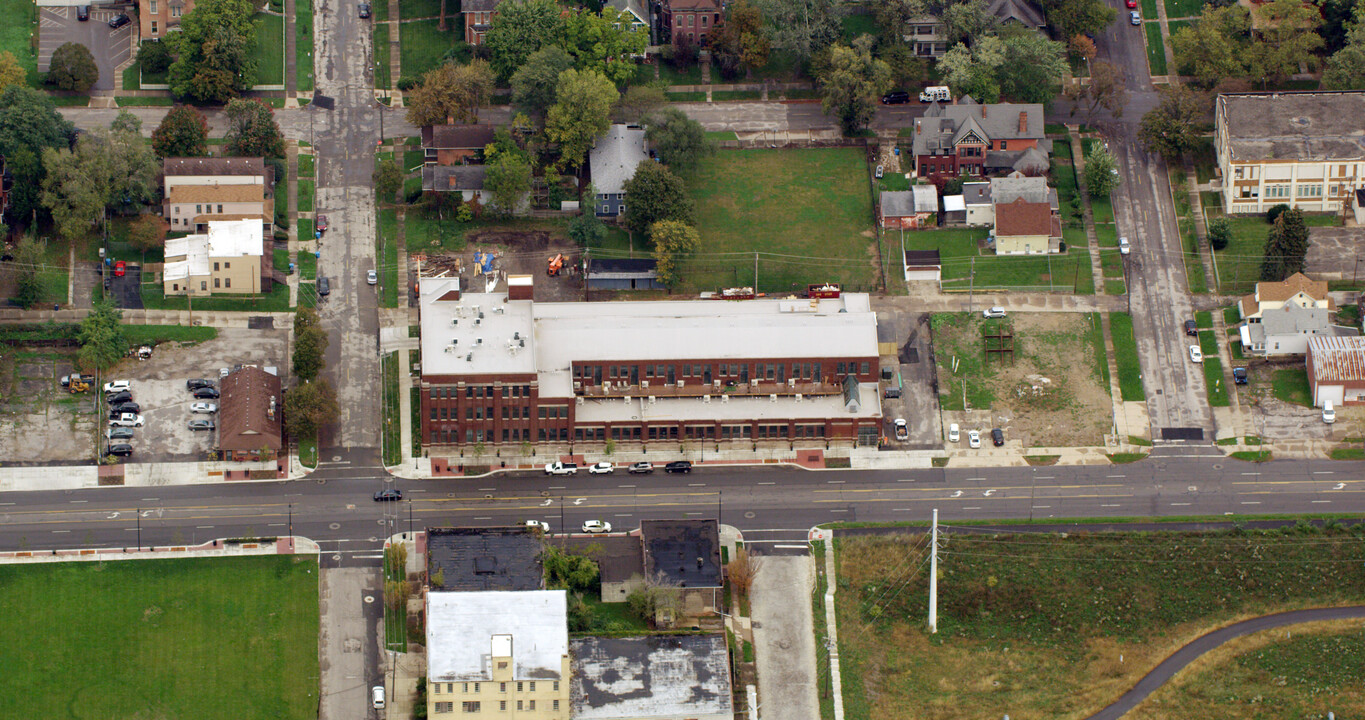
pixel 1052 395
pixel 40 422
pixel 516 252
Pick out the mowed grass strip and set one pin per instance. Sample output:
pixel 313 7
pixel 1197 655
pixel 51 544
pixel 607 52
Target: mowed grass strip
pixel 1125 356
pixel 222 638
pixel 422 44
pixel 1037 623
pixel 813 208
pixel 269 49
pixel 1156 50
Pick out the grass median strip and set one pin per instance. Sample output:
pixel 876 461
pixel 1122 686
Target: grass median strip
pixel 1126 357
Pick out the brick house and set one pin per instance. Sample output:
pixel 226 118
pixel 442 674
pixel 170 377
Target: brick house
pixel 689 20
pixel 250 415
pixel 968 138
pixel 478 17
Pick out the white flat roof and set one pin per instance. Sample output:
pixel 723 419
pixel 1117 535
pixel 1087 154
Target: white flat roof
pixel 747 407
pixel 235 238
pixel 463 628
pixel 550 337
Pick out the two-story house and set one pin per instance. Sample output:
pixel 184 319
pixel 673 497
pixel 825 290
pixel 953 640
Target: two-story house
pixel 1302 149
pixel 1280 317
pixel 689 21
pixel 226 259
pixel 612 162
pixel 196 191
pixel 1026 228
pixel 968 138
pixel 927 35
pixel 478 18
pixel 158 17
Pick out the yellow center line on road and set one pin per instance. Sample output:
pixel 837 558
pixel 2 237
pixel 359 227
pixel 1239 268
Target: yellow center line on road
pixel 977 488
pixel 85 510
pixel 1314 481
pixel 972 498
pixel 543 498
pixel 132 520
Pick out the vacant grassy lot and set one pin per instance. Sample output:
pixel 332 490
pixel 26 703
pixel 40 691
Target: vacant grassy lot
pixel 1156 51
pixel 380 44
pixel 223 638
pixel 1239 264
pixel 21 20
pixel 277 300
pixel 422 45
pixel 810 211
pixel 1038 623
pixel 1055 393
pixel 269 49
pixel 1291 385
pixel 1125 356
pixel 1280 673
pixel 960 251
pixel 303 44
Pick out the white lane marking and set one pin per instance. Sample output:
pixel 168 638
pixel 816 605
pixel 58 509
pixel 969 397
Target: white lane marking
pixel 835 482
pixel 67 531
pixel 1251 502
pixel 483 518
pixel 1046 477
pixel 696 484
pixel 1251 473
pixel 1179 504
pixel 767 483
pixel 1041 507
pixel 972 508
pixel 844 511
pixel 1323 472
pixel 488 489
pixel 1115 476
pixel 203 527
pixel 625 486
pixel 275 525
pixel 1111 505
pixel 1322 501
pixel 80 501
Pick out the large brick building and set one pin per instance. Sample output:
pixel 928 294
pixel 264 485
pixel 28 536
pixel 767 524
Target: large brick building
pixel 501 370
pixel 968 138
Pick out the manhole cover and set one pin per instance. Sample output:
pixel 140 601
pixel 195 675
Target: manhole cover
pixel 369 598
pixel 1217 467
pixel 336 557
pixel 334 526
pixel 748 516
pixel 487 497
pixel 336 458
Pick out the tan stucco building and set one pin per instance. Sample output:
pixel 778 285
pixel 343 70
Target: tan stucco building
pixel 226 259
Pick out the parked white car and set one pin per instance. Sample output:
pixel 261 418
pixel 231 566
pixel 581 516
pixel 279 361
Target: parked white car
pixel 973 438
pixel 1124 247
pixel 596 526
pixel 116 386
pixel 1196 355
pixel 559 468
pixel 127 420
pixel 544 526
pixel 204 407
pixel 602 468
pixel 954 434
pixel 993 312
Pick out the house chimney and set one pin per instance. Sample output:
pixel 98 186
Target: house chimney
pixel 1023 123
pixel 983 111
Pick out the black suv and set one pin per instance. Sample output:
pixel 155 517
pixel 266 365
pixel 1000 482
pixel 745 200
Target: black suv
pixel 900 97
pixel 119 21
pixel 1191 328
pixel 1239 376
pixel 121 449
pixel 998 437
pixel 119 398
pixel 206 393
pixel 124 407
pixel 678 466
pixel 197 383
pixel 389 494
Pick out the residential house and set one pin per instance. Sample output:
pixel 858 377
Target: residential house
pixel 478 18
pixel 623 274
pixel 954 210
pixel 981 198
pixel 688 21
pixel 909 209
pixel 484 559
pixel 467 180
pixel 927 35
pixel 612 162
pixel 1026 228
pixel 500 370
pixel 1302 149
pixel 197 191
pixel 158 17
pixel 655 677
pixel 498 654
pixel 227 259
pixel 1336 370
pixel 976 199
pixel 685 554
pixel 1280 317
pixel 454 144
pixel 250 415
pixel 969 138
pixel 639 14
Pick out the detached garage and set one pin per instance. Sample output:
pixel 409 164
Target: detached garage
pixel 922 265
pixel 1336 370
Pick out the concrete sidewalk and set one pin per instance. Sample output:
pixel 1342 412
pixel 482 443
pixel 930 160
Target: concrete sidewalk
pixel 80 477
pixel 215 548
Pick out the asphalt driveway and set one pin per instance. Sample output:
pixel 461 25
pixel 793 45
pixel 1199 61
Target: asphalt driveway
pixel 126 290
pixel 58 26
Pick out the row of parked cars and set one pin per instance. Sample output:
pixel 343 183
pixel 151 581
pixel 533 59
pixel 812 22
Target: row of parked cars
pixel 974 436
pixel 606 468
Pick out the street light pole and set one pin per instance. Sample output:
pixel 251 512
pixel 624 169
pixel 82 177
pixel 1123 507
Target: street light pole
pixel 139 529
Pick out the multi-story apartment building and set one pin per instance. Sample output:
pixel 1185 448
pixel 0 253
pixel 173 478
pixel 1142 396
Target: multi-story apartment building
pixel 199 190
pixel 501 370
pixel 226 259
pixel 1301 149
pixel 498 654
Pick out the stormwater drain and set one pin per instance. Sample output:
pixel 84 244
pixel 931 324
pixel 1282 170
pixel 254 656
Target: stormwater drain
pixel 334 526
pixel 748 516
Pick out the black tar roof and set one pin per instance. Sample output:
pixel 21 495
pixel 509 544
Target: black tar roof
pixel 686 552
pixel 505 558
pixel 643 266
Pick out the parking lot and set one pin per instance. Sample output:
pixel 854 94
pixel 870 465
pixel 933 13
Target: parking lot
pixel 913 374
pixel 1335 253
pixel 40 422
pixel 57 25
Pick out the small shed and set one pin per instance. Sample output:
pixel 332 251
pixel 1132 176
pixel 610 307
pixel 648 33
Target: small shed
pixel 910 209
pixel 623 274
pixel 954 210
pixel 922 265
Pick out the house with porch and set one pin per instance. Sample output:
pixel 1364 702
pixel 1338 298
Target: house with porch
pixel 1281 317
pixel 968 138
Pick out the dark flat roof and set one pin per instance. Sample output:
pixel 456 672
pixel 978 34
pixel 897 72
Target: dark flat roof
pixel 619 558
pixel 500 558
pixel 685 552
pixel 644 266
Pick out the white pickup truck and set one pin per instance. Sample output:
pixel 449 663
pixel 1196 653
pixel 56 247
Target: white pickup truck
pixel 559 468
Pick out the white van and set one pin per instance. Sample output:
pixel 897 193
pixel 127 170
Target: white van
pixel 1329 413
pixel 939 93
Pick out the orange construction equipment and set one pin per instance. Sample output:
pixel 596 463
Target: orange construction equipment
pixel 556 263
pixel 78 386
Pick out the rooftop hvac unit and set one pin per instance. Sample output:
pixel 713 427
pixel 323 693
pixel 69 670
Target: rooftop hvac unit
pixel 753 383
pixel 454 342
pixel 578 401
pixel 480 316
pixel 522 342
pixel 715 384
pixel 500 310
pixel 477 309
pixel 791 382
pixel 772 397
pixel 724 399
pixel 798 397
pixel 644 383
pixel 651 399
pixel 516 335
pixel 627 399
pixel 469 357
pixel 450 349
pixel 454 321
pixel 706 399
pixel 478 341
pixel 577 386
pixel 478 321
pixel 681 382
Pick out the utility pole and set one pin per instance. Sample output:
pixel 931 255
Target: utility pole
pixel 755 272
pixel 971 286
pixel 139 529
pixel 933 576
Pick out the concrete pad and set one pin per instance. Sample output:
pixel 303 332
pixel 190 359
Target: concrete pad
pixel 345 640
pixel 784 637
pixel 1334 253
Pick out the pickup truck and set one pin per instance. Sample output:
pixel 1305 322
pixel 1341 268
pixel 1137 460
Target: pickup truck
pixel 559 468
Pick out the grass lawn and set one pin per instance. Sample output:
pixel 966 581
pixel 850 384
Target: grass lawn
pixel 724 95
pixel 306 166
pixel 250 624
pixel 269 49
pixel 1107 236
pixel 860 24
pixel 1037 623
pixel 308 452
pixel 1182 8
pixel 1291 386
pixel 688 75
pixel 15 32
pixel 1205 162
pixel 1280 673
pixel 1115 287
pixel 1111 264
pixel 813 207
pixel 156 101
pixel 1156 51
pixel 958 246
pixel 409 9
pixel 393 450
pixel 1176 25
pixel 277 300
pixel 422 45
pixel 1213 380
pixel 1094 336
pixel 388 270
pixel 281 259
pixel 381 52
pixel 308 265
pixel 686 96
pixel 1126 357
pixel 156 334
pixel 1194 260
pixel 305 195
pixel 1102 209
pixel 1149 8
pixel 1239 264
pixel 1203 319
pixel 70 100
pixel 132 77
pixel 303 45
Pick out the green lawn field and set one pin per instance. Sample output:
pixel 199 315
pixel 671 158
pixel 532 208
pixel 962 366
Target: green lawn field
pixel 224 638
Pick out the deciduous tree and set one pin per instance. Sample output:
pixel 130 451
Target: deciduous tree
pixel 388 179
pixel 520 28
pixel 100 334
pixel 605 41
pixel 534 83
pixel 850 83
pixel 1286 39
pixel 1214 47
pixel 802 27
pixel 451 92
pixel 637 102
pixel 1171 128
pixel 1083 47
pixel 184 132
pixel 148 232
pixel 73 68
pixel 1100 171
pixel 678 140
pixel 11 72
pixel 673 240
pixel 966 21
pixel 1219 233
pixel 1033 67
pixel 581 113
pixel 740 43
pixel 654 193
pixel 154 57
pixel 1346 68
pixel 508 179
pixel 73 191
pixel 587 229
pixel 29 122
pixel 309 406
pixel 1105 90
pixel 252 130
pixel 974 70
pixel 310 342
pixel 215 51
pixel 1077 17
pixel 1286 247
pixel 27 266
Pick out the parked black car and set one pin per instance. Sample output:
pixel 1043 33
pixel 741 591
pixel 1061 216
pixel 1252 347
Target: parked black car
pixel 197 383
pixel 121 449
pixel 119 398
pixel 127 407
pixel 899 97
pixel 1191 328
pixel 206 393
pixel 83 12
pixel 364 10
pixel 678 466
pixel 892 392
pixel 119 21
pixel 390 494
pixel 324 286
pixel 998 437
pixel 1239 376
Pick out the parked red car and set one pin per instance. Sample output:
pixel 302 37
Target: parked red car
pixel 120 268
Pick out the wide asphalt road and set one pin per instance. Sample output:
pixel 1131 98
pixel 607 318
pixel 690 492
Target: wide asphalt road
pixel 771 505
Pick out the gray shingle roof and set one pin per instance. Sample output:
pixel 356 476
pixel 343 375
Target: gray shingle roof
pixel 453 178
pixel 903 203
pixel 942 124
pixel 614 157
pixel 1019 11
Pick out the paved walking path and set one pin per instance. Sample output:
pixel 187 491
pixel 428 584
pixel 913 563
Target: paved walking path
pixel 1202 645
pixel 784 637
